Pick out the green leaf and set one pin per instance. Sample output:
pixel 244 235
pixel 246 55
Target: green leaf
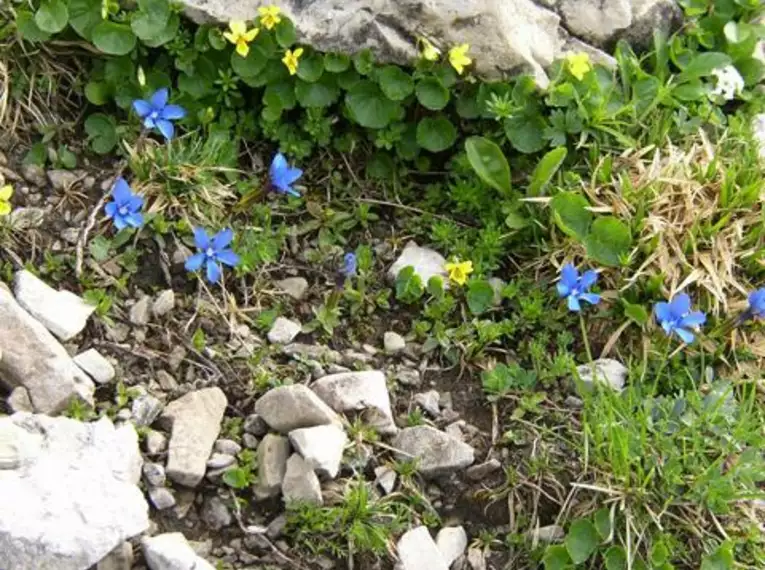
pixel 581 540
pixel 615 558
pixel 467 105
pixel 196 86
pixel 84 15
pixel 364 61
pixel 150 19
pixel 28 28
pixel 280 95
pixel 489 163
pixel 52 16
pixel 556 558
pixel 721 559
pixel 395 82
pixel 436 287
pixel 408 285
pixel 97 92
pixel 102 132
pixel 431 94
pixel 285 33
pixel 381 166
pixel 38 155
pixel 436 134
pixel 603 523
pixel 736 33
pixel 480 296
pixel 237 477
pixel 636 313
pixel 608 241
pixel 311 67
pixel 336 62
pixel 546 169
pixel 525 132
pixel 99 248
pixel 369 106
pixel 703 64
pixel 113 38
pixel 571 214
pixel 659 554
pixel 320 94
pixel 167 33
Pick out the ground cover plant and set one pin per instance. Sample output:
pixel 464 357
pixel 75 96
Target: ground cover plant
pixel 615 213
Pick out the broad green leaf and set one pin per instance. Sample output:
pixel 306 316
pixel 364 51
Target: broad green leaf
pixel 102 132
pixel 736 32
pixel 320 94
pixel 114 38
pixel 311 67
pixel 52 16
pixel 602 521
pixel 608 241
pixel 285 33
pixel 571 214
pixel 721 559
pixel 381 166
pixel 489 163
pixel 369 106
pixel 97 92
pixel 581 540
pixel 636 313
pixel 431 94
pixel 615 558
pixel 150 20
pixel 704 63
pixel 28 28
pixel 196 86
pixel 659 554
pixel 556 558
pixel 237 477
pixel 480 296
pixel 280 95
pixel 436 287
pixel 395 82
pixel 525 131
pixel 249 66
pixel 364 61
pixel 408 285
pixel 166 34
pixel 38 155
pixel 467 106
pixel 691 91
pixel 84 15
pixel 436 134
pixel 99 248
pixel 546 169
pixel 336 62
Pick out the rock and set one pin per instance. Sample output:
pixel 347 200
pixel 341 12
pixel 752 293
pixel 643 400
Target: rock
pixel 438 453
pixel 276 527
pixel 483 470
pixel 427 263
pixel 385 477
pixel 255 425
pixel 287 408
pixel 300 482
pixel 61 312
pixel 164 303
pixel 156 442
pixel 145 409
pixel 364 391
pixel 162 498
pixel 121 558
pixel 63 179
pixel 95 366
pixel 171 551
pixel 273 452
pixel 34 174
pixel 19 400
pixel 283 331
pixel 154 474
pixel 573 402
pixel 195 422
pixel 72 496
pixel 249 441
pixel 27 218
pixel 428 401
pixel 166 381
pixel 34 359
pixel 227 446
pixel 312 352
pixel 220 461
pixel 417 551
pixel 607 370
pixel 546 534
pixel 295 287
pixel 71 235
pixel 393 342
pixel 321 446
pixel 407 376
pixel 452 542
pixel 215 513
pixel 139 312
pixel 476 558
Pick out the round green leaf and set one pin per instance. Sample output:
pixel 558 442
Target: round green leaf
pixel 525 132
pixel 347 79
pixel 311 67
pixel 615 558
pixel 150 19
pixel 369 106
pixel 436 133
pixel 84 15
pixel 97 92
pixel 608 241
pixel 556 558
pixel 336 62
pixel 249 66
pixel 102 132
pixel 381 166
pixel 28 28
pixel 166 34
pixel 546 169
pixel 467 105
pixel 195 85
pixel 581 541
pixel 280 95
pixel 320 94
pixel 431 94
pixel 571 214
pixel 52 16
pixel 113 38
pixel 395 82
pixel 480 296
pixel 489 163
pixel 285 33
pixel 364 61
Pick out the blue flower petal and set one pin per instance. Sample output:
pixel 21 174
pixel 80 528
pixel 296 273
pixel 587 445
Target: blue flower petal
pixel 680 305
pixel 201 239
pixel 222 239
pixel 588 279
pixel 591 298
pixel 119 222
pixel 563 289
pixel 695 319
pixel 757 302
pixel 569 275
pixel 213 271
pixel 663 312
pixel 149 123
pixel 573 304
pixel 194 262
pixel 228 257
pixel 685 335
pixel 291 175
pixel 173 112
pixel 135 203
pixel 166 128
pixel 142 108
pixel 111 209
pixel 134 219
pixel 121 192
pixel 159 99
pixel 278 166
pixel 668 326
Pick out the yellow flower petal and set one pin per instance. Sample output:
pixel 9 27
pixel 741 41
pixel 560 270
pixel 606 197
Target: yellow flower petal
pixel 230 37
pixel 298 52
pixel 242 48
pixel 458 57
pixel 5 208
pixel 459 271
pixel 269 16
pixel 428 50
pixel 6 192
pixel 252 34
pixel 238 27
pixel 578 64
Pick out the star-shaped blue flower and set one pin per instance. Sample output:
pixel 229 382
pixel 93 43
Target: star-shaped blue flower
pixel 283 176
pixel 125 209
pixel 757 303
pixel 677 317
pixel 350 265
pixel 212 253
pixel 575 288
pixel 156 113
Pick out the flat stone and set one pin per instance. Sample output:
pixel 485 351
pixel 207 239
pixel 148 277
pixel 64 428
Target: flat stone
pixel 385 477
pixel 417 551
pixel 426 262
pixel 27 218
pixel 287 408
pixel 437 452
pixel 364 392
pixel 63 179
pixel 166 381
pixel 220 461
pixel 295 287
pixel 34 174
pixel 250 441
pixel 273 452
pixel 428 401
pixel 546 534
pixel 95 366
pixel 121 558
pixel 312 352
pixel 407 376
pixel 154 474
pixel 483 470
pixel 145 409
pixel 227 446
pixel 19 400
pixel 452 542
pixel 283 331
pixel 171 551
pixel 162 498
pixel 155 442
pixel 255 425
pixel 61 312
pixel 393 342
pixel 139 312
pixel 195 422
pixel 608 372
pixel 35 360
pixel 476 558
pixel 72 495
pixel 321 446
pixel 215 513
pixel 300 483
pixel 164 303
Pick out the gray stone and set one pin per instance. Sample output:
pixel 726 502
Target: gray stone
pixel 295 287
pixel 364 392
pixel 195 422
pixel 428 401
pixel 19 400
pixel 27 218
pixel 215 513
pixel 71 235
pixel 273 452
pixel 255 425
pixel 227 446
pixel 34 359
pixel 393 342
pixel 300 483
pixel 139 312
pixel 608 371
pixel 249 441
pixel 166 381
pixel 385 477
pixel 283 331
pixel 483 470
pixel 61 312
pixel 34 174
pixel 121 558
pixel 72 495
pixel 407 376
pixel 220 461
pixel 417 550
pixel 438 453
pixel 452 542
pixel 164 303
pixel 321 446
pixel 63 179
pixel 145 409
pixel 426 262
pixel 171 551
pixel 154 474
pixel 162 498
pixel 476 558
pixel 312 352
pixel 546 534
pixel 95 366
pixel 155 442
pixel 286 408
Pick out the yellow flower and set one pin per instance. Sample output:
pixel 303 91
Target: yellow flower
pixel 459 271
pixel 5 199
pixel 291 58
pixel 241 36
pixel 269 16
pixel 428 50
pixel 458 57
pixel 578 64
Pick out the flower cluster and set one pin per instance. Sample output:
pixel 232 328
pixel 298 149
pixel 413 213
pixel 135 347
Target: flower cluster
pixel 578 64
pixel 158 114
pixel 212 253
pixel 458 57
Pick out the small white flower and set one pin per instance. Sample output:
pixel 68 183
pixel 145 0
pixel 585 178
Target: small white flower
pixel 729 83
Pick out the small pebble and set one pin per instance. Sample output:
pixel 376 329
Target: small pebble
pixel 164 303
pixel 154 474
pixel 161 498
pixel 220 461
pixel 227 447
pixel 393 342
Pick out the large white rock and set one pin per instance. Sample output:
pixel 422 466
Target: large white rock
pixel 96 366
pixel 61 312
pixel 436 452
pixel 283 331
pixel 426 262
pixel 452 542
pixel 286 408
pixel 34 359
pixel 300 484
pixel 68 491
pixel 417 551
pixel 171 551
pixel 321 446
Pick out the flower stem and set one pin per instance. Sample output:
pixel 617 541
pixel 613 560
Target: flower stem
pixel 586 342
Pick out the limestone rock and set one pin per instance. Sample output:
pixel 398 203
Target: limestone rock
pixel 283 331
pixel 295 287
pixel 321 446
pixel 139 312
pixel 215 513
pixel 427 263
pixel 438 452
pixel 273 452
pixel 286 408
pixel 417 550
pixel 164 303
pixel 162 498
pixel 393 342
pixel 608 371
pixel 429 401
pixel 171 551
pixel 63 179
pixel 121 558
pixel 70 496
pixel 452 542
pixel 300 482
pixel 19 400
pixel 145 409
pixel 95 366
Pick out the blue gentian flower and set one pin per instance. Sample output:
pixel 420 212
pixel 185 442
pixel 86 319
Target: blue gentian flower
pixel 575 288
pixel 283 176
pixel 212 252
pixel 757 303
pixel 350 265
pixel 156 113
pixel 676 317
pixel 125 210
